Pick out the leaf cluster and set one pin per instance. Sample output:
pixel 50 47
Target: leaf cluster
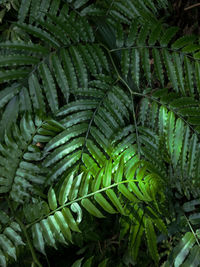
pixel 99 129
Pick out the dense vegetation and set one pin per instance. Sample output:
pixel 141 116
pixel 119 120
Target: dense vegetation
pixel 99 135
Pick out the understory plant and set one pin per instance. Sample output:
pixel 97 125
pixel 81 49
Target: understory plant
pixel 99 135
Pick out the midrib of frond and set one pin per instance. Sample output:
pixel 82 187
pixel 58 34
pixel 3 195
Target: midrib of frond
pixel 79 199
pixel 91 122
pixel 154 46
pixel 166 106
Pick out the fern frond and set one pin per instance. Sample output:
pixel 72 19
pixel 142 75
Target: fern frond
pixel 151 239
pixel 183 249
pixel 23 151
pixel 50 73
pixel 10 239
pixel 76 190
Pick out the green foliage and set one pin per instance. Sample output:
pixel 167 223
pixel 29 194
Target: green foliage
pixel 99 132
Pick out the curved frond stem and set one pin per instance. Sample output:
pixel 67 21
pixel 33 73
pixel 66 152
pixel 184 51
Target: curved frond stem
pixel 79 199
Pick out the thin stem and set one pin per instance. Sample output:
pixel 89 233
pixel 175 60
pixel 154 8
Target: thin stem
pixel 136 129
pixel 22 226
pixel 164 105
pixel 131 92
pixel 192 230
pixel 149 46
pixel 192 6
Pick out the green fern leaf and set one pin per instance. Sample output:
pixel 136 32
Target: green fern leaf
pixel 136 234
pixel 123 189
pixel 170 69
pixel 60 219
pixel 132 34
pixel 86 54
pixel 7 94
pixel 75 187
pixel 77 263
pixel 185 148
pixel 151 239
pixel 119 35
pixel 37 32
pixel 192 155
pixel 38 240
pixel 81 68
pixel 62 166
pixel 197 75
pixel 63 151
pixel 9 117
pixel 88 263
pixel 7 246
pixel 60 76
pixel 2 259
pixel 9 75
pixel 155 34
pixel 193 258
pixel 65 136
pixel 69 69
pixel 189 75
pixel 23 11
pixel 146 64
pixel 22 46
pixel 104 203
pixel 135 66
pixel 114 199
pixel 168 35
pixel 178 139
pixel 89 206
pixel 170 132
pixel 52 199
pixel 36 94
pixel 16 60
pixel 158 66
pixel 183 41
pixel 125 61
pixel 183 249
pixel 70 220
pixel 108 173
pixel 47 233
pixel 142 36
pixel 49 87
